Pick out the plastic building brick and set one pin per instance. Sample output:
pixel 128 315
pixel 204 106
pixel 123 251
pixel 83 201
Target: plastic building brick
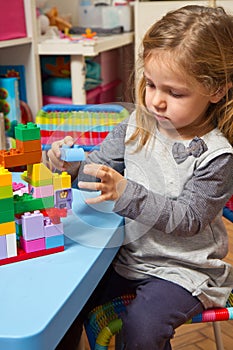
pixel 72 154
pixel 6 204
pixel 32 246
pixel 37 173
pixel 26 202
pixel 54 241
pixel 57 184
pixel 61 181
pixel 32 225
pixel 17 186
pixel 5 177
pixel 6 192
pixel 41 191
pixel 11 245
pixel 7 227
pixel 13 158
pixel 65 180
pixel 28 146
pixel 55 214
pixel 51 229
pixel 27 132
pixel 3 247
pixel 22 255
pixel 6 216
pixel 63 198
pixel 52 212
pixel 30 181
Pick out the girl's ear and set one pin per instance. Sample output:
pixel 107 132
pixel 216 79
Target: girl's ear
pixel 220 93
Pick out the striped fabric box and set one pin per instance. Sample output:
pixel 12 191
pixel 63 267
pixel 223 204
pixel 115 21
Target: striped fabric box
pixel 87 124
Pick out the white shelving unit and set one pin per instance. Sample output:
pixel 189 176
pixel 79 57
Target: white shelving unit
pixel 77 52
pixel 26 51
pixel 23 51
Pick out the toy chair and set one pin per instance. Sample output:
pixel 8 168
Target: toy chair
pixel 104 321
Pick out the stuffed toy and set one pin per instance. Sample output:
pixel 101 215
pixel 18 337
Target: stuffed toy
pixel 58 21
pixel 43 20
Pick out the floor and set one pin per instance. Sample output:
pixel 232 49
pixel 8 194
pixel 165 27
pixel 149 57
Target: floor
pixel 200 336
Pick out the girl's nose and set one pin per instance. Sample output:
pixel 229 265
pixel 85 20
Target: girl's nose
pixel 158 100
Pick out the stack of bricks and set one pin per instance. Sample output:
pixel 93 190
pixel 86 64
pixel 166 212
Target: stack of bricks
pixel 7 224
pixel 30 222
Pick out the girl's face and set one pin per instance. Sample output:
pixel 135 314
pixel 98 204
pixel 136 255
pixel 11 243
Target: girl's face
pixel 178 106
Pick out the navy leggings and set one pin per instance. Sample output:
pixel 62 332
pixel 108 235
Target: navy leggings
pixel 159 308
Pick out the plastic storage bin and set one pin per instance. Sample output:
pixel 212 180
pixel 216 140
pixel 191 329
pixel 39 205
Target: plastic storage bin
pixel 12 20
pixel 109 63
pixel 93 97
pixel 108 93
pixel 106 17
pixel 101 94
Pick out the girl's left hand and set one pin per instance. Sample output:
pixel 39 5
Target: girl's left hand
pixel 112 183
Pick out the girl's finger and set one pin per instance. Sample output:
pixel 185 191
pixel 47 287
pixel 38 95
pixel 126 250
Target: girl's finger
pixel 95 200
pixel 94 186
pixel 69 141
pixel 96 170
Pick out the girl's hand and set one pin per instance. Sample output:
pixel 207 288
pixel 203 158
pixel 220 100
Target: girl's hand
pixel 54 155
pixel 112 183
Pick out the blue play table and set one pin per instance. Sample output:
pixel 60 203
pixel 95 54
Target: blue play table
pixel 40 298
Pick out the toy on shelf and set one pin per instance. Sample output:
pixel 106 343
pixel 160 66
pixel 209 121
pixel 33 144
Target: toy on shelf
pixel 48 18
pixel 89 34
pixel 43 20
pixel 30 216
pixel 56 20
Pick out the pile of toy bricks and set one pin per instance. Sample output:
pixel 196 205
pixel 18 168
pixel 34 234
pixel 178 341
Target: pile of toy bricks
pixel 30 214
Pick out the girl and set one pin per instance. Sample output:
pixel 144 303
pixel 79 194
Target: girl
pixel 168 170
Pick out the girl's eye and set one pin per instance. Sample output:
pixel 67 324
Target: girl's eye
pixel 150 84
pixel 175 94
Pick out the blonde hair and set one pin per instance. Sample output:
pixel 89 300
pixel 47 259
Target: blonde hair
pixel 200 40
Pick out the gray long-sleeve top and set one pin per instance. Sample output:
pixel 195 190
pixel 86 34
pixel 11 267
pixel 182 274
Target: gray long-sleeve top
pixel 173 211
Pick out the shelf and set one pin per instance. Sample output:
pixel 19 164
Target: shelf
pixel 15 42
pixel 78 50
pixel 84 47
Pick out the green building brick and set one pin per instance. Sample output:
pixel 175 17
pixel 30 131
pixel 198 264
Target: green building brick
pixel 7 204
pixel 6 216
pixel 26 203
pixel 27 132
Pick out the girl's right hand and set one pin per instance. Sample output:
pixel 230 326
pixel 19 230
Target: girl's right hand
pixel 54 155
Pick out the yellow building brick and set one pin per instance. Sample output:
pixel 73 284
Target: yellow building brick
pixel 5 177
pixel 66 180
pixel 7 227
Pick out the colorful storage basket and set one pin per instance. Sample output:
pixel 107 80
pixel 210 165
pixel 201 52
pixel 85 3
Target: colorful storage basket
pixel 87 124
